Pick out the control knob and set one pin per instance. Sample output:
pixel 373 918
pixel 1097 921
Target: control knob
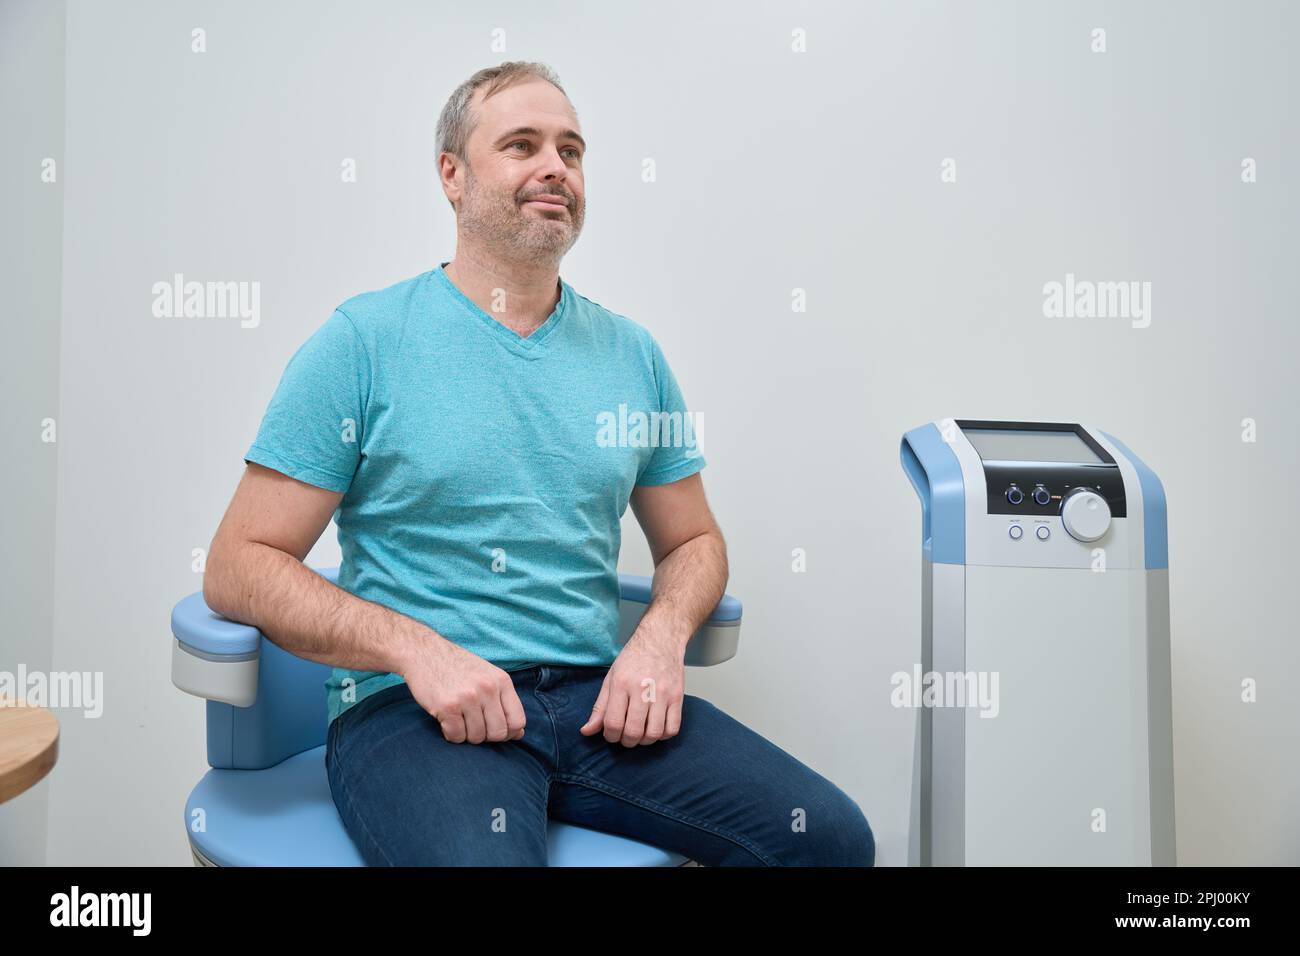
pixel 1085 514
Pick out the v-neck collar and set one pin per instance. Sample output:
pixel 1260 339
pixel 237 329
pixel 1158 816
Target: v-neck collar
pixel 530 346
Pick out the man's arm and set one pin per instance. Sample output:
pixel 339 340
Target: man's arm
pixel 640 701
pixel 689 553
pixel 255 575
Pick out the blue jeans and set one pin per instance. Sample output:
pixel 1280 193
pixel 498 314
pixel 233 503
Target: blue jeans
pixel 717 792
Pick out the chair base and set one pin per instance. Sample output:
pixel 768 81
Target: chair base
pixel 285 816
pixel 201 860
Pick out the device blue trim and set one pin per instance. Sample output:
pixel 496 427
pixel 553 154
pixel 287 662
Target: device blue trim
pixel 1155 516
pixel 932 467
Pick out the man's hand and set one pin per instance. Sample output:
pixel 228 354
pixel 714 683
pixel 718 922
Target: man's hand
pixel 640 701
pixel 470 698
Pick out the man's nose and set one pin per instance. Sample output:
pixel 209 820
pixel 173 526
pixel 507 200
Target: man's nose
pixel 554 164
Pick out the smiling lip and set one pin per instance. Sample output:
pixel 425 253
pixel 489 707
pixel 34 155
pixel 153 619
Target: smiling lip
pixel 549 201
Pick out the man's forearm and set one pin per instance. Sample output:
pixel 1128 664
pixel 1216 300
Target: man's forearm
pixel 687 586
pixel 305 614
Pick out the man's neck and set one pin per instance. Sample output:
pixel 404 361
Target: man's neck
pixel 521 296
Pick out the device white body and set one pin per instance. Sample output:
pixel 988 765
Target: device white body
pixel 1073 766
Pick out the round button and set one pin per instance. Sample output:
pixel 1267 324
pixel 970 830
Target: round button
pixel 1085 514
pixel 1043 532
pixel 1042 495
pixel 1015 495
pixel 1016 532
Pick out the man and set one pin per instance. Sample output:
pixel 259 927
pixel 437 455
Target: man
pixel 453 421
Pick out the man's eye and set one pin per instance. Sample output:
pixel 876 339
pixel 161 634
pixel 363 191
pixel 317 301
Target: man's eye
pixel 577 154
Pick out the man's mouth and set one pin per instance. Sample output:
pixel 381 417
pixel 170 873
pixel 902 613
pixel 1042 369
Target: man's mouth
pixel 548 202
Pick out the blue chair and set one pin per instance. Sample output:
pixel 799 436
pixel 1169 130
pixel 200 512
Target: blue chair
pixel 266 801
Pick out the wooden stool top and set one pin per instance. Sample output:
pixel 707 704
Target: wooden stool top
pixel 29 745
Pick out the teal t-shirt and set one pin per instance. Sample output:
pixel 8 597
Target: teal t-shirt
pixel 483 473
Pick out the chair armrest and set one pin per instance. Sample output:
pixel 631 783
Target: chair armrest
pixel 217 659
pixel 214 657
pixel 717 640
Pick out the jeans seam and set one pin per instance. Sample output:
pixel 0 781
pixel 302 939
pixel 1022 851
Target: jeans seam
pixel 663 811
pixel 555 733
pixel 352 808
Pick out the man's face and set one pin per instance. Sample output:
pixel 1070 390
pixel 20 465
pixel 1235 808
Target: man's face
pixel 525 145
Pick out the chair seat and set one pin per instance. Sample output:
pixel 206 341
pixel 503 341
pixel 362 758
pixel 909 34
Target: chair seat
pixel 285 816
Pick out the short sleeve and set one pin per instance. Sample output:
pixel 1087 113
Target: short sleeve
pixel 313 427
pixel 678 453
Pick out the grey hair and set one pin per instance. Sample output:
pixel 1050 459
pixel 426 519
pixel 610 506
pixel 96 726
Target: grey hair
pixel 458 120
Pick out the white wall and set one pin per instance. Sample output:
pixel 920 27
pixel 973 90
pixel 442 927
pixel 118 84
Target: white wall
pixel 776 170
pixel 31 237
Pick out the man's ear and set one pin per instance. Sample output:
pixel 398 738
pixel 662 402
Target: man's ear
pixel 451 187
